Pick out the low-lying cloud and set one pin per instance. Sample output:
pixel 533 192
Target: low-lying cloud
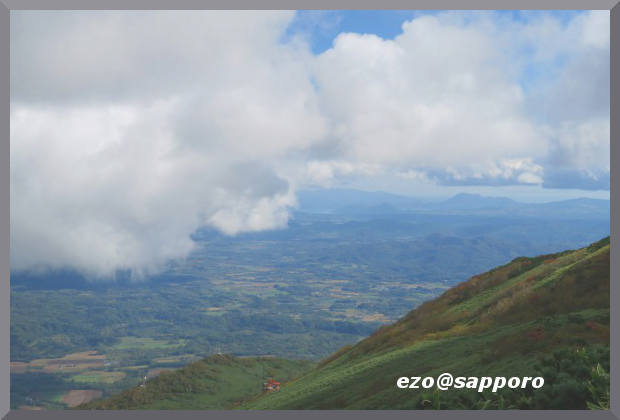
pixel 129 130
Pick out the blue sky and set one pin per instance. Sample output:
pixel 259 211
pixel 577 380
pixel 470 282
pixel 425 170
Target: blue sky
pixel 322 26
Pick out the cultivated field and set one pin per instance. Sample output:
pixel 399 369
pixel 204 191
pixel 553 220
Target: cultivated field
pixel 76 397
pixel 74 362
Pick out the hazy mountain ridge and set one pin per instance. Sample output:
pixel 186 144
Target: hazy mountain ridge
pixel 354 202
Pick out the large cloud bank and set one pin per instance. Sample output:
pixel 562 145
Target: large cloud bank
pixel 129 130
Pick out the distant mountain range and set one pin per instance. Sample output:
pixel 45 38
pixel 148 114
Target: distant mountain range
pixel 354 202
pixel 544 316
pixel 383 228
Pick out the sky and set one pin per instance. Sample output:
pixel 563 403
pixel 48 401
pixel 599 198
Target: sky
pixel 131 129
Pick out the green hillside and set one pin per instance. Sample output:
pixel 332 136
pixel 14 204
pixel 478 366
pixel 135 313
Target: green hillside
pixel 216 382
pixel 545 316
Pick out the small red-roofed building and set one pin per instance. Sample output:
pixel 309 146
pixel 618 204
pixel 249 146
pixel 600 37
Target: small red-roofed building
pixel 271 385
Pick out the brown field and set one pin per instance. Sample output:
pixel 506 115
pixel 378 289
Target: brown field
pixel 30 407
pixel 183 358
pixel 70 366
pixel 137 367
pixel 375 317
pixel 19 367
pixel 250 284
pixel 262 356
pixel 76 397
pixel 359 315
pixel 90 355
pixel 73 362
pixel 263 284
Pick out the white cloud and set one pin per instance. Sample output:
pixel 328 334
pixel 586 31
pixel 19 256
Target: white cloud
pixel 435 96
pixel 583 145
pixel 129 130
pixel 323 172
pixel 109 188
pixel 446 94
pixel 415 175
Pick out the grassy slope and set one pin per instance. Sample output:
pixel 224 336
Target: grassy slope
pixel 216 382
pixel 497 323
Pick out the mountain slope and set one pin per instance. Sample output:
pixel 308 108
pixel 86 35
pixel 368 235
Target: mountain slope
pixel 216 382
pixel 544 316
pixel 498 323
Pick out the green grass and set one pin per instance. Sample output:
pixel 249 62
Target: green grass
pixel 369 382
pixel 56 398
pixel 486 327
pixel 216 382
pixel 99 377
pixel 500 323
pixel 146 343
pixel 545 271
